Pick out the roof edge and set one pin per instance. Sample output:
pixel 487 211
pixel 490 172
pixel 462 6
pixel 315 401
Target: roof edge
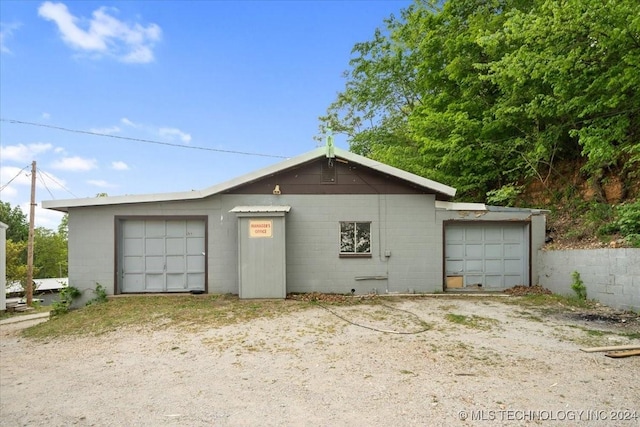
pixel 64 205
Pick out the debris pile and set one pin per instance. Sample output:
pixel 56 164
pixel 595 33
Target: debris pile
pixel 330 298
pixel 528 290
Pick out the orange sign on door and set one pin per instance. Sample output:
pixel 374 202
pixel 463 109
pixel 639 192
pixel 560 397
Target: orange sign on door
pixel 260 228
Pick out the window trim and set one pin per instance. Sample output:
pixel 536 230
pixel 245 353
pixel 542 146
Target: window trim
pixel 354 254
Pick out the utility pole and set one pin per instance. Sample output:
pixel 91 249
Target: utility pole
pixel 32 210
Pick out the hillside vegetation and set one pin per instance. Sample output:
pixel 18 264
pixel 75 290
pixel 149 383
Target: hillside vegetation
pixel 513 102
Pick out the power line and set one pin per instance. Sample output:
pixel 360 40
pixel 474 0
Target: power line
pixel 44 184
pixel 59 185
pixel 147 141
pixel 11 180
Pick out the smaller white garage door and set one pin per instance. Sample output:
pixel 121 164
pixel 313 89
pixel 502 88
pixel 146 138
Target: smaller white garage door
pixel 494 255
pixel 158 255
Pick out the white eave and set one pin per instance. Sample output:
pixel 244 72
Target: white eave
pixel 260 209
pixel 460 206
pixel 64 205
pixel 476 207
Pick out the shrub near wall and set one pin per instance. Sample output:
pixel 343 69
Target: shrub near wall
pixel 611 276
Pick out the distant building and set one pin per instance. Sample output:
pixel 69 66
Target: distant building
pixel 44 290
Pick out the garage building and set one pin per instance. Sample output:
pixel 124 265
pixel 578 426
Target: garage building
pixel 325 221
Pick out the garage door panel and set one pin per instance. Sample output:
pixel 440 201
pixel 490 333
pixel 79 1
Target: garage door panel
pixel 472 280
pixel 513 250
pixel 154 264
pixel 176 264
pixel 162 255
pixel 474 235
pixel 175 246
pixel 134 264
pixel 195 263
pixel 154 246
pixel 492 281
pixel 154 228
pixel 474 265
pixel 455 250
pixel 195 281
pixel 493 266
pixel 132 246
pixel 492 235
pixel 154 282
pixel 455 234
pixel 195 229
pixel 195 245
pixel 134 282
pixel 455 266
pixel 474 250
pixel 175 229
pixel 493 250
pixel 512 266
pixel 513 234
pixel 494 254
pixel 176 282
pixel 133 229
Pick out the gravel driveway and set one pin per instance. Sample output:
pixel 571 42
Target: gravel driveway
pixel 482 361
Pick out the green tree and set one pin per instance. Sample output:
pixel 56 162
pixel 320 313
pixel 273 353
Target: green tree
pixel 63 227
pixel 16 262
pixel 571 82
pixel 486 94
pixel 16 220
pixel 49 254
pixel 50 251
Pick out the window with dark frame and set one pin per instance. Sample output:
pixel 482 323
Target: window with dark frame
pixel 355 238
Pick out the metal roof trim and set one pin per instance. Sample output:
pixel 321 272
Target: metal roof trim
pixel 260 209
pixel 64 205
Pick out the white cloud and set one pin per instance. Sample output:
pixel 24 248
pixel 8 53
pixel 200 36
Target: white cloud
pixel 166 132
pixel 23 153
pixel 8 192
pixel 171 132
pixel 75 164
pixel 100 183
pixel 6 32
pixel 107 131
pixel 119 166
pixel 104 34
pixel 128 122
pixel 47 218
pixel 46 116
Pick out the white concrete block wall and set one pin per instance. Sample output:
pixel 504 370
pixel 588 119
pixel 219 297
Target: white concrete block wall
pixel 3 266
pixel 611 276
pixel 313 262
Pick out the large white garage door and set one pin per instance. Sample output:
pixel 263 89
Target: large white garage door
pixel 159 255
pixel 489 255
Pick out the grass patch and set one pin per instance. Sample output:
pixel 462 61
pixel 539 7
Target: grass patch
pixel 553 302
pixel 475 322
pixel 156 312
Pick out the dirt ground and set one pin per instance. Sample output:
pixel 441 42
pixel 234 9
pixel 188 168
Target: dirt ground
pixel 481 361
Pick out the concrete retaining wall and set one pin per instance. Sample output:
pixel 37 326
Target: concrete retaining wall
pixel 611 276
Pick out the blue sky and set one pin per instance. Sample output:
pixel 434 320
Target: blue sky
pixel 244 76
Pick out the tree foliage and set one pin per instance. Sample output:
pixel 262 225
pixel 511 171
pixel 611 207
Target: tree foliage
pixel 16 220
pixel 482 94
pixel 50 251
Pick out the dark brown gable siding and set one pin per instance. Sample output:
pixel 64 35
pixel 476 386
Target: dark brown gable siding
pixel 351 178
